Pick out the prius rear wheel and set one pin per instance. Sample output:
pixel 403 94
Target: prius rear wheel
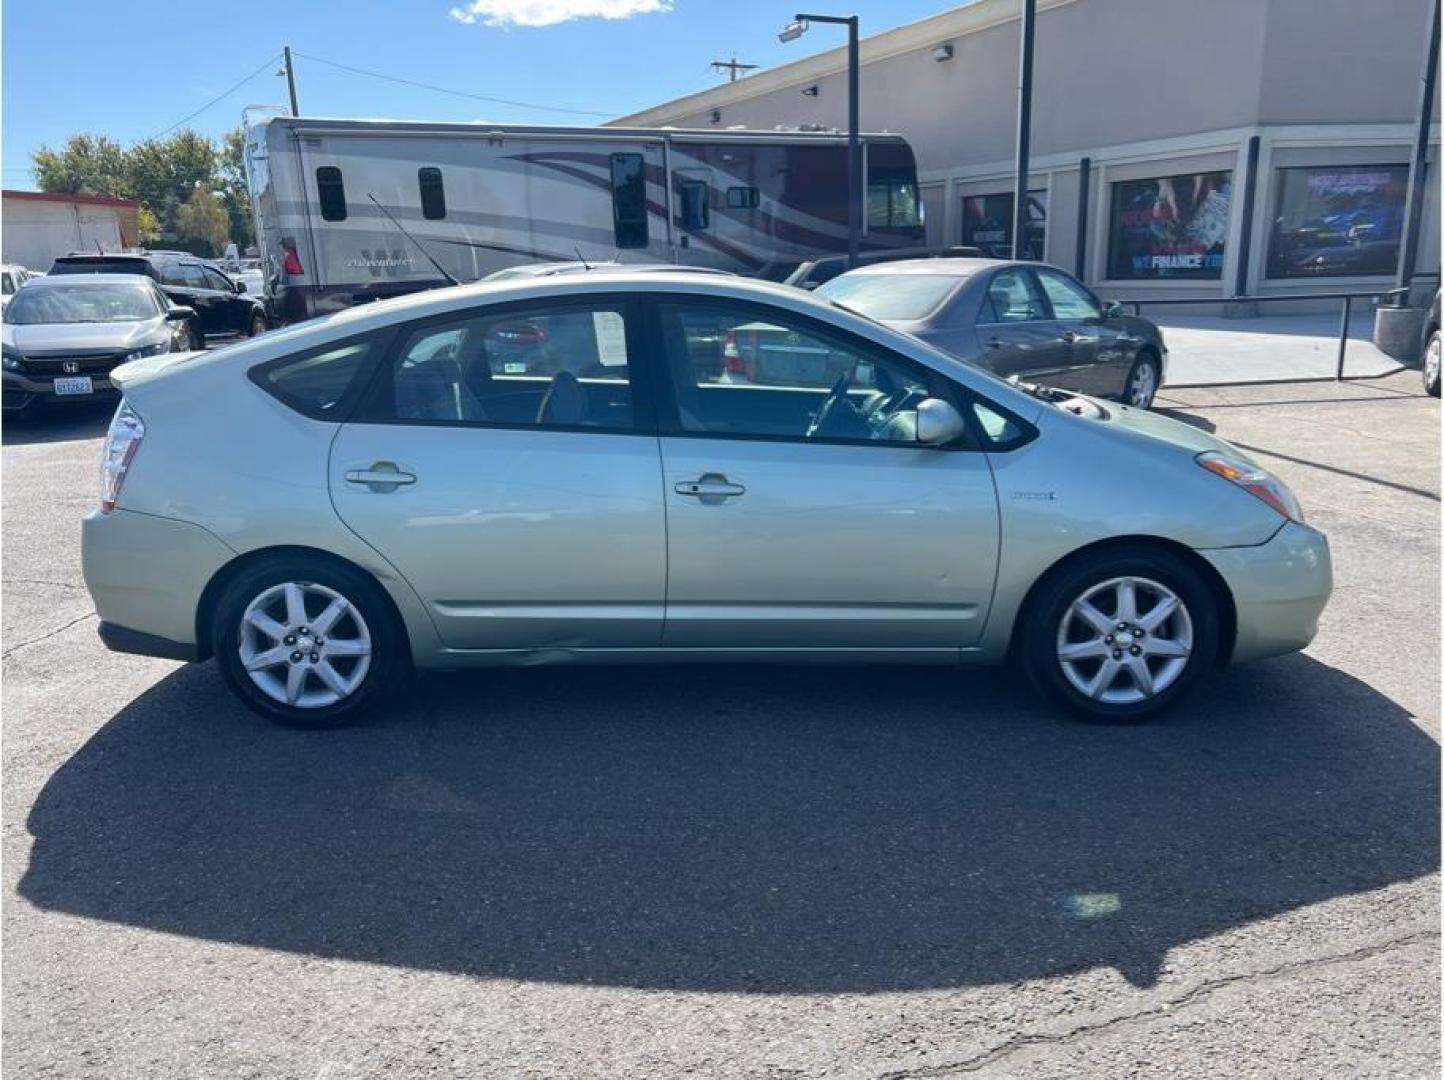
pixel 306 642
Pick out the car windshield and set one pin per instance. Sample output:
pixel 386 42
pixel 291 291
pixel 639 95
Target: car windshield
pixel 83 303
pixel 905 297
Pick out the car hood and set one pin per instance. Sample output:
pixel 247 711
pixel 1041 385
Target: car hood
pixel 41 338
pixel 1143 423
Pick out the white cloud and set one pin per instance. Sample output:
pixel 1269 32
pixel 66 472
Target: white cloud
pixel 550 12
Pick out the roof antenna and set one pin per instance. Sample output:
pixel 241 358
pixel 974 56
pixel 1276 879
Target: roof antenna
pixel 581 258
pixel 439 268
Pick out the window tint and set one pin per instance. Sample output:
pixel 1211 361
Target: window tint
pixel 1068 299
pixel 332 193
pixel 433 194
pixel 216 280
pixel 191 275
pixel 316 383
pixel 552 367
pixel 692 205
pixel 1011 298
pixel 743 198
pixel 741 371
pixel 629 201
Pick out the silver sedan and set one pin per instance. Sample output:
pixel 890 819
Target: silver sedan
pixel 326 507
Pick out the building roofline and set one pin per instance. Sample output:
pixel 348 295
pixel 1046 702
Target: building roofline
pixel 70 197
pixel 924 33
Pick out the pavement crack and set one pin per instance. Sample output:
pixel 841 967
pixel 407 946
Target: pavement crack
pixel 36 640
pixel 1201 991
pixel 41 581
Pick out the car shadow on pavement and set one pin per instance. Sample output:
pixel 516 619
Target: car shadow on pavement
pixel 67 424
pixel 768 830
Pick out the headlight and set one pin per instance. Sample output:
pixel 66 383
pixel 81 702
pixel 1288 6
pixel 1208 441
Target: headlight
pixel 12 360
pixel 149 350
pixel 1254 479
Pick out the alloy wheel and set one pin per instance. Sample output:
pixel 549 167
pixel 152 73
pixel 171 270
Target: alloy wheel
pixel 1142 385
pixel 1125 640
pixel 304 645
pixel 1431 364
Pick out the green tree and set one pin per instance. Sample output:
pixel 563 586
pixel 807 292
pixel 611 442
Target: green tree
pixel 231 182
pixel 164 172
pixel 201 222
pixel 86 164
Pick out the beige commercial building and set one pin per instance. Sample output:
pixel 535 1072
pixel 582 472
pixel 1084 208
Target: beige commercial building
pixel 1163 98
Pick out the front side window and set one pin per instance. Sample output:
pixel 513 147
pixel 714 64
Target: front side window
pixel 1068 299
pixel 317 383
pixel 1012 297
pixel 331 190
pixel 629 201
pixel 1334 221
pixel 433 193
pixel 539 367
pixel 741 371
pixel 1169 227
pixel 216 280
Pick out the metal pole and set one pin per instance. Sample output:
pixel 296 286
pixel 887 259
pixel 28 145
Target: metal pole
pixel 1343 340
pixel 854 150
pixel 1414 209
pixel 1080 263
pixel 1245 236
pixel 1025 122
pixel 291 81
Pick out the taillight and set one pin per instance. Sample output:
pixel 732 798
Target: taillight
pixel 121 443
pixel 731 357
pixel 291 263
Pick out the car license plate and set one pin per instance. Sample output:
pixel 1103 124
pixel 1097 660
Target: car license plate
pixel 80 384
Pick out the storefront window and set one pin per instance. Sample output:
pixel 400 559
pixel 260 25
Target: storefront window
pixel 988 224
pixel 1169 227
pixel 1332 221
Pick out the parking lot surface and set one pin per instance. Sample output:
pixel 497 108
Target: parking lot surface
pixel 741 871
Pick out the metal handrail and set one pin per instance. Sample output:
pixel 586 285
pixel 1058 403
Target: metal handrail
pixel 1346 307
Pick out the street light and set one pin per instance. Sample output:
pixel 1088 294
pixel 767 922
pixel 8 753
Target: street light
pixel 791 32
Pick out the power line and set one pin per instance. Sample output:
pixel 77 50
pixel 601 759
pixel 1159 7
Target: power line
pixel 456 93
pixel 219 97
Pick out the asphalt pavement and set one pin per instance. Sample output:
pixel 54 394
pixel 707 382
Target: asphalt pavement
pixel 729 872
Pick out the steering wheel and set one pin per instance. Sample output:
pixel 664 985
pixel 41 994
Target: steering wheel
pixel 829 403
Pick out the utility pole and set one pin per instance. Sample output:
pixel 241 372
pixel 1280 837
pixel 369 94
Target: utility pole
pixel 291 81
pixel 1025 123
pixel 732 67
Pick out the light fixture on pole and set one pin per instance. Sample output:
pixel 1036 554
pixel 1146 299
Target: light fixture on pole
pixel 791 32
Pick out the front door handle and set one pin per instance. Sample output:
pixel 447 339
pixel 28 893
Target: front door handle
pixel 381 477
pixel 709 487
pixel 1068 336
pixel 995 343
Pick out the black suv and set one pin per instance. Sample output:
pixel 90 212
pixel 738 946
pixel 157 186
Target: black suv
pixel 221 305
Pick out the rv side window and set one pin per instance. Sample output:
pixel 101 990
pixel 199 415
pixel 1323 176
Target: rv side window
pixel 433 195
pixel 694 205
pixel 332 193
pixel 742 198
pixel 629 201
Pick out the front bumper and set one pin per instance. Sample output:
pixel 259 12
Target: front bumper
pixel 22 389
pixel 146 575
pixel 1279 589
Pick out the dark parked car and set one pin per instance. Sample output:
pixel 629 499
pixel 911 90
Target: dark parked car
pixel 815 272
pixel 1021 319
pixel 223 308
pixel 1429 348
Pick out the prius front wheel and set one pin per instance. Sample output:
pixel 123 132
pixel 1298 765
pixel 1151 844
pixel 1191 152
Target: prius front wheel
pixel 305 642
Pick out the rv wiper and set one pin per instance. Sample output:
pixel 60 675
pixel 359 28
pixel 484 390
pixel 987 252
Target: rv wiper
pixel 439 269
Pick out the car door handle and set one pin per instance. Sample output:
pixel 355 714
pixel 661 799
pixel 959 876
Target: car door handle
pixel 1068 336
pixel 995 343
pixel 381 477
pixel 709 487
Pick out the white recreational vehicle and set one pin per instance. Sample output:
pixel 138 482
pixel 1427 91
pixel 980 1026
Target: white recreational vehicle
pixel 335 200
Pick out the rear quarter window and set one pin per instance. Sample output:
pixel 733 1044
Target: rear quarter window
pixel 322 383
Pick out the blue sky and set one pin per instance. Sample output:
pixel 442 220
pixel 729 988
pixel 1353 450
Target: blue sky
pixel 131 71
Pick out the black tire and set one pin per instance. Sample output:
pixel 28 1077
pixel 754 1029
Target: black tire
pixel 258 325
pixel 387 664
pixel 1038 633
pixel 1430 365
pixel 1130 394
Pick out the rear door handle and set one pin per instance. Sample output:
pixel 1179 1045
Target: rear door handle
pixel 709 487
pixel 381 477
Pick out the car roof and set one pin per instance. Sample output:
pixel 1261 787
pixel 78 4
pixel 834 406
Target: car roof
pixel 956 267
pixel 70 281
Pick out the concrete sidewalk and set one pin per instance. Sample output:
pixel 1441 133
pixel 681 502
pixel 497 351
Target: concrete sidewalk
pixel 1207 350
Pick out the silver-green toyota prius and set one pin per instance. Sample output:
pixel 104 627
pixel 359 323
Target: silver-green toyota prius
pixel 581 470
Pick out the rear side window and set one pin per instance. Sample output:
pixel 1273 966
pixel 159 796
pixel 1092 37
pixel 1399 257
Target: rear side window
pixel 433 194
pixel 629 201
pixel 318 384
pixel 332 192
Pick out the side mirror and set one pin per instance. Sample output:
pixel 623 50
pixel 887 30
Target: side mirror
pixel 938 422
pixel 240 287
pixel 180 314
pixel 1112 309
